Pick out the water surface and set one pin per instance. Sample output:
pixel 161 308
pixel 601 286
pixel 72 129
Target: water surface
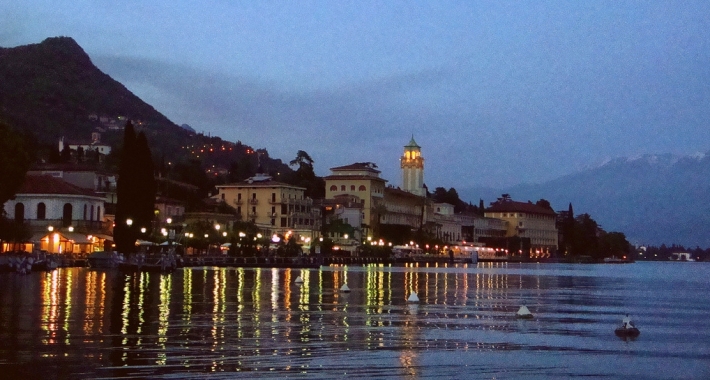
pixel 230 323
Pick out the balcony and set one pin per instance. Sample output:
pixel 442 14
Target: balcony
pixel 252 214
pixel 238 201
pixel 253 201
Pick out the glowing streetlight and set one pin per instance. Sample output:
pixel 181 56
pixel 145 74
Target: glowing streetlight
pixel 71 228
pixel 143 230
pixel 224 233
pixel 129 222
pixel 217 227
pixel 169 220
pixel 50 228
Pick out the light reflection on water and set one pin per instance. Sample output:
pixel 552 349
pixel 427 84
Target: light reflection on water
pixel 232 322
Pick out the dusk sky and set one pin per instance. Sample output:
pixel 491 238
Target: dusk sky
pixel 496 93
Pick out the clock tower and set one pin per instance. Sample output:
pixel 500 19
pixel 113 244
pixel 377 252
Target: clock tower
pixel 412 165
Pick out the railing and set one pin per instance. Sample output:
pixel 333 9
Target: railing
pixel 252 214
pixel 238 202
pixel 253 201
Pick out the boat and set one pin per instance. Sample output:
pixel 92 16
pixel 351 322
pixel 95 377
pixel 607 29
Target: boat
pixel 681 256
pixel 616 260
pixel 103 259
pixel 627 329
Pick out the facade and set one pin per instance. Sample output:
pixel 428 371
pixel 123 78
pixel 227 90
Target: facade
pixel 363 180
pixel 70 214
pixel 527 220
pixel 412 164
pixel 273 206
pixel 403 208
pixel 85 177
pixel 94 145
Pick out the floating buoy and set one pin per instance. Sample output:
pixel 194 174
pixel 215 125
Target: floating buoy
pixel 627 329
pixel 524 313
pixel 413 297
pixel 345 288
pixel 299 280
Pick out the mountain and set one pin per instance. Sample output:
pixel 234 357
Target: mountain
pixel 53 90
pixel 653 199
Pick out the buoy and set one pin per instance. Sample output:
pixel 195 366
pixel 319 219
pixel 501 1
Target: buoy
pixel 345 288
pixel 524 313
pixel 299 280
pixel 413 297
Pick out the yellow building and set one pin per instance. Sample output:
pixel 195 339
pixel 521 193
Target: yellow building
pixel 527 220
pixel 275 207
pixel 362 180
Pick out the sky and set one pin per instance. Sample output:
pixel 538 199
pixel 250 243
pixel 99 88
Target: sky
pixel 495 92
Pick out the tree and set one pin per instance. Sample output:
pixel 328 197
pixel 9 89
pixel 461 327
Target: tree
pixel 135 190
pixel 544 203
pixel 15 160
pixel 145 176
pixel 306 177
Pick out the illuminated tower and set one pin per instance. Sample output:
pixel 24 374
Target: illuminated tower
pixel 412 165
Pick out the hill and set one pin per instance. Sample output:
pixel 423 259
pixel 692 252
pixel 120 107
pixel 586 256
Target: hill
pixel 653 199
pixel 53 90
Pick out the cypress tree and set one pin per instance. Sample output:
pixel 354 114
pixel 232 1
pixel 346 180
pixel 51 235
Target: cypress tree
pixel 126 192
pixel 145 179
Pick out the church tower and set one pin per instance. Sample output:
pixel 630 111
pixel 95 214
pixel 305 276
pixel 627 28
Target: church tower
pixel 412 165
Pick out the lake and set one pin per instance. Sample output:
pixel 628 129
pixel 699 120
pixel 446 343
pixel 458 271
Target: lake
pixel 248 323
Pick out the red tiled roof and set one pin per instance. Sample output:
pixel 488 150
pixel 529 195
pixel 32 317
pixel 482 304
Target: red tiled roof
pixel 357 166
pixel 401 193
pixel 513 206
pixel 365 177
pixel 46 184
pixel 268 183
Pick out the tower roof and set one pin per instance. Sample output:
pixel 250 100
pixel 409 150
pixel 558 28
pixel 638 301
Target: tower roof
pixel 412 144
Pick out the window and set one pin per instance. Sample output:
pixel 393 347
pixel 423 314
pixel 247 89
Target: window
pixel 333 188
pixel 41 211
pixel 283 222
pixel 92 213
pixel 98 213
pixel 352 187
pixel 273 222
pixel 222 196
pixel 85 206
pixel 362 188
pixel 19 212
pixel 273 197
pixel 66 215
pixel 239 196
pixel 342 187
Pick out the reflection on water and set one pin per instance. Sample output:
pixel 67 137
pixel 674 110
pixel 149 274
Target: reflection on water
pixel 199 322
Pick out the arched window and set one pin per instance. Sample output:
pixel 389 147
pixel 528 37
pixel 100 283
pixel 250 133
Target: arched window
pixel 19 212
pixel 362 188
pixel 342 187
pixel 352 187
pixel 66 215
pixel 333 188
pixel 41 211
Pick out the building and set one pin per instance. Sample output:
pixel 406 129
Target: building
pixel 275 207
pixel 360 179
pixel 63 217
pixel 412 164
pixel 403 208
pixel 94 145
pixel 528 221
